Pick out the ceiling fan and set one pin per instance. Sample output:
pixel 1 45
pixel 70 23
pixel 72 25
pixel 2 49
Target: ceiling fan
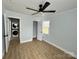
pixel 42 8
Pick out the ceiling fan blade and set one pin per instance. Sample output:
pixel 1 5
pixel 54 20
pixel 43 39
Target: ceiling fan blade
pixel 31 9
pixel 45 5
pixel 35 13
pixel 50 11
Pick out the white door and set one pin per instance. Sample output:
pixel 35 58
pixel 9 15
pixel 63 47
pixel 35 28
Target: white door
pixel 7 32
pixel 39 33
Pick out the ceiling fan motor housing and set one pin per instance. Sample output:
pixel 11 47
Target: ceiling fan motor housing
pixel 40 7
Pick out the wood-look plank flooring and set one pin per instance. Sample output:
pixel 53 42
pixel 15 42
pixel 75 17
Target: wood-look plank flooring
pixel 34 50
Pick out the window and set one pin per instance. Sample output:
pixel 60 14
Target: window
pixel 45 27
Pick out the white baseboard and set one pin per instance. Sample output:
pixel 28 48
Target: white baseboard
pixel 26 41
pixel 68 52
pixel 34 36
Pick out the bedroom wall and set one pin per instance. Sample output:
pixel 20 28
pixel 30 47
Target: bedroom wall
pixel 63 30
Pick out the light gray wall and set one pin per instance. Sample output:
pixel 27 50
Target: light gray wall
pixel 26 28
pixel 63 30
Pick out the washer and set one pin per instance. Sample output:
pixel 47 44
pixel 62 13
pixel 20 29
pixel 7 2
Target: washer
pixel 15 33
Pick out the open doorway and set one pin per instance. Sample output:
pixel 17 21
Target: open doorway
pixel 15 28
pixel 35 29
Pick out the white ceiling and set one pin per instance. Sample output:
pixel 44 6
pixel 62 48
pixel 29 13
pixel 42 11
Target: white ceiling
pixel 20 5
